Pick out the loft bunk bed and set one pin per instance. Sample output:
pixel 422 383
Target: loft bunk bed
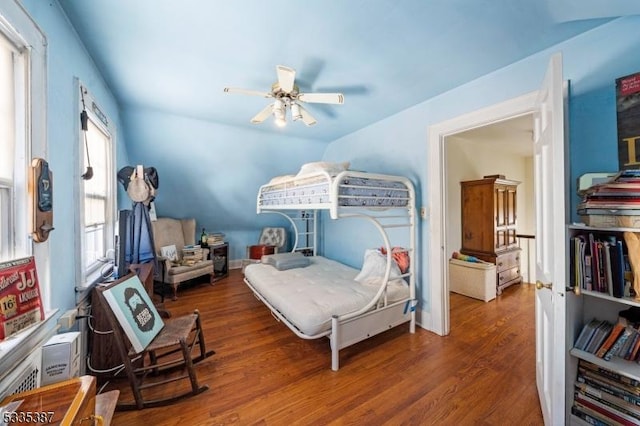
pixel 326 298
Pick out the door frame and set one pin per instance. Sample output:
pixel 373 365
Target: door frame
pixel 437 320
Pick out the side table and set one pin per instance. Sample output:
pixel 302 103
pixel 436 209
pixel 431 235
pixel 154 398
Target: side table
pixel 219 255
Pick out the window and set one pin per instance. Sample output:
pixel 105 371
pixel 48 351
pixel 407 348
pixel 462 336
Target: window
pixel 23 132
pixel 12 150
pixel 98 192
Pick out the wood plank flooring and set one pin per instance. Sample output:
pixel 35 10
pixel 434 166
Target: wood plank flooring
pixel 483 373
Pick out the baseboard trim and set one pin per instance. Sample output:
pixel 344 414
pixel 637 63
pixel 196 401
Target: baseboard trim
pixel 235 264
pixel 424 320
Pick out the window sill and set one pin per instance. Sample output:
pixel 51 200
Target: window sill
pixel 98 276
pixel 17 347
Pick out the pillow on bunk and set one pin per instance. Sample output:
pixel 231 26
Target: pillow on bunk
pixel 400 255
pixel 374 266
pixel 278 179
pixel 323 166
pixel 284 261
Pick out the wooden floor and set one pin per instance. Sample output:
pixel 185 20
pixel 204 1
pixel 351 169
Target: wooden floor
pixel 483 373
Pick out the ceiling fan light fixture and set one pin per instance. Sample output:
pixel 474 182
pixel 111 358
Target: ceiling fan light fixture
pixel 296 114
pixel 279 112
pixel 286 94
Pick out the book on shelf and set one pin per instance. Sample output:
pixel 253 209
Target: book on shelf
pixel 587 416
pixel 617 270
pixel 135 312
pixel 597 263
pixel 627 349
pixel 623 404
pixel 619 343
pixel 609 389
pixel 613 400
pixel 609 373
pixel 599 337
pixel 605 411
pixel 586 334
pixel 634 348
pixel 613 338
pixel 600 381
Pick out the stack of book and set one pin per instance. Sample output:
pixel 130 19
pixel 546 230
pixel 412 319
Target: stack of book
pixel 191 254
pixel 215 239
pixel 605 397
pixel 613 203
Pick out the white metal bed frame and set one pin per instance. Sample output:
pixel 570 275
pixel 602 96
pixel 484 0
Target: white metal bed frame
pixel 378 315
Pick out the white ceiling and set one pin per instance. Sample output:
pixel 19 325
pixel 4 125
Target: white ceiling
pixel 384 55
pixel 513 136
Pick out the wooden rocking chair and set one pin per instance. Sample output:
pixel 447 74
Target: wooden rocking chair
pixel 172 345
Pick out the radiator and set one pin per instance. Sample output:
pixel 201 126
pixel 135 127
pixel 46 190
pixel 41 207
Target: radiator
pixel 24 377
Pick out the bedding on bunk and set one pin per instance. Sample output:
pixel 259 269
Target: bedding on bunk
pixel 315 189
pixel 309 296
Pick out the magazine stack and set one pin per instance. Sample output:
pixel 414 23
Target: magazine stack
pixel 614 203
pixel 215 239
pixel 604 397
pixel 191 254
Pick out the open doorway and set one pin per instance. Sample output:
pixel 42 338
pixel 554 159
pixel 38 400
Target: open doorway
pixel 504 148
pixel 441 243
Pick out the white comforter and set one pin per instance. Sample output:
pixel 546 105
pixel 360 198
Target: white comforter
pixel 308 297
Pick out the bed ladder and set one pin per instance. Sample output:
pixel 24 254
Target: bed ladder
pixel 305 229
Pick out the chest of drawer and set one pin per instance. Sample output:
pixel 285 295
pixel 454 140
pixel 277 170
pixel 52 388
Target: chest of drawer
pixel 508 275
pixel 508 260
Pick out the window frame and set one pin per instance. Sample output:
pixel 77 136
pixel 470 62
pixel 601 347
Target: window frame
pixel 98 271
pixel 30 133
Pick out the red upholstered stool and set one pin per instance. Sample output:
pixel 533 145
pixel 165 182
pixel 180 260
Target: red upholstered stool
pixel 257 251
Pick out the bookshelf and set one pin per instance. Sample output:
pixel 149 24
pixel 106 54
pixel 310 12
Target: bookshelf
pixel 622 300
pixel 596 301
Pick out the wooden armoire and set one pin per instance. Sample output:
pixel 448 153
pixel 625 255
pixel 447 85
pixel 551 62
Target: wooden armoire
pixel 489 213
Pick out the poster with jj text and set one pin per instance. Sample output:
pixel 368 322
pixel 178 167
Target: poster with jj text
pixel 20 298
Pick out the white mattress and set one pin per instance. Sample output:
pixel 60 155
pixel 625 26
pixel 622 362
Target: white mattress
pixel 355 191
pixel 308 297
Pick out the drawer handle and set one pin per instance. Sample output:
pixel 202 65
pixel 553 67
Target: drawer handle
pixel 501 278
pixel 500 264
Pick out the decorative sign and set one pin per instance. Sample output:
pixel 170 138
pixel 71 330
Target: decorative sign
pixel 628 113
pixel 169 252
pixel 20 300
pixel 135 311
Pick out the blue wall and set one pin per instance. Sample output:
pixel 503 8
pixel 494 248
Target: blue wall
pixel 398 144
pixel 212 172
pixel 67 59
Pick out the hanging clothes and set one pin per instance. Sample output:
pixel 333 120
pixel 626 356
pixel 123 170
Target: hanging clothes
pixel 142 244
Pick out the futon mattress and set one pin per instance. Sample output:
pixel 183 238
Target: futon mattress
pixel 308 297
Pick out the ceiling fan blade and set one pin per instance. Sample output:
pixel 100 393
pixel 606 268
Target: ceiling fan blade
pixel 286 77
pixel 306 117
pixel 262 115
pixel 247 92
pixel 322 98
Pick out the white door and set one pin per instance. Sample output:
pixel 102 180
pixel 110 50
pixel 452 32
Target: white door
pixel 550 196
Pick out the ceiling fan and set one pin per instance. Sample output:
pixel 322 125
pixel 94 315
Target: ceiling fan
pixel 288 96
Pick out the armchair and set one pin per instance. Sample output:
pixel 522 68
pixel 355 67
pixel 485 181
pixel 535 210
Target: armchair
pixel 272 240
pixel 178 232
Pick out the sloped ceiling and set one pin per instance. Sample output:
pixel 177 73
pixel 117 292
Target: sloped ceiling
pixel 384 55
